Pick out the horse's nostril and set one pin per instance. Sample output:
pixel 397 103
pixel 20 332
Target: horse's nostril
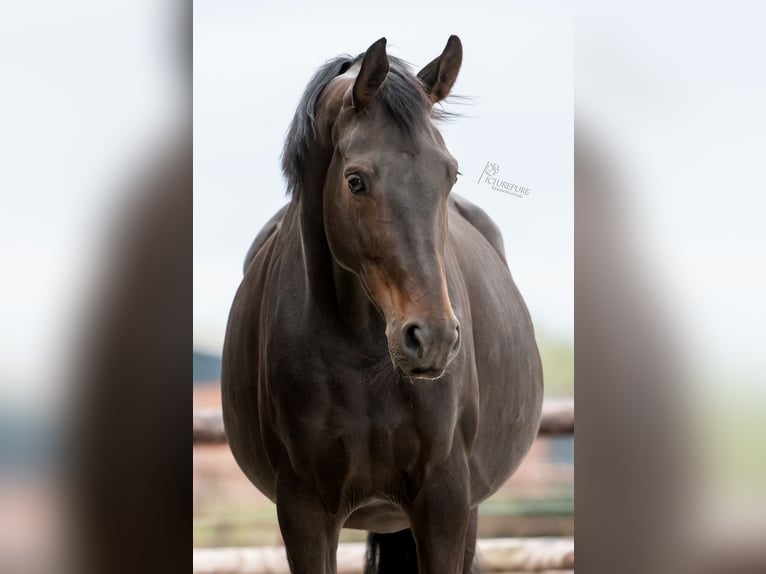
pixel 413 339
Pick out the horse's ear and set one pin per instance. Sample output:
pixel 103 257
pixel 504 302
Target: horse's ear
pixel 371 75
pixel 440 74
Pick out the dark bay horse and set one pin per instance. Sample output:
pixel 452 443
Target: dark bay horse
pixel 380 370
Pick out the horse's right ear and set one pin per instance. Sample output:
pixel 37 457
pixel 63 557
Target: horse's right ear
pixel 371 75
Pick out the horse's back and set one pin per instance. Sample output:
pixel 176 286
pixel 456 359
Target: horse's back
pixel 477 217
pixel 268 229
pixel 242 358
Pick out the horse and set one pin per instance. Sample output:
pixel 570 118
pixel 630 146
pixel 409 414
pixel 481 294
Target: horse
pixel 380 370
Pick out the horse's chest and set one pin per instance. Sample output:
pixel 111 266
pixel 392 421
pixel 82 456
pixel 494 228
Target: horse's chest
pixel 369 441
pixel 358 446
pixel 391 448
pixel 359 429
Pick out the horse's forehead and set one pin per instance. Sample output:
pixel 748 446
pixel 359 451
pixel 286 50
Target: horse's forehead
pixel 376 130
pixel 398 158
pixel 379 133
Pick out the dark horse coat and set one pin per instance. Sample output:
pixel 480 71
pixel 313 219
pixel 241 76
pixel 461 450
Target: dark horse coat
pixel 380 369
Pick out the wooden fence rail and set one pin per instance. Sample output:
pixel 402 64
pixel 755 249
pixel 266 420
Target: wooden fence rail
pixel 495 555
pixel 558 419
pixel 503 555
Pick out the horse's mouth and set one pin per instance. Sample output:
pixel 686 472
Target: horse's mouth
pixel 421 374
pixel 428 374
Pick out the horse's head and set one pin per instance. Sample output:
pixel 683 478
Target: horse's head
pixel 385 199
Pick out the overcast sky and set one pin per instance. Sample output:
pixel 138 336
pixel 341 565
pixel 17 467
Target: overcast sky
pixel 252 63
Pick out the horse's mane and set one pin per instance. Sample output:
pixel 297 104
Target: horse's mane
pixel 401 93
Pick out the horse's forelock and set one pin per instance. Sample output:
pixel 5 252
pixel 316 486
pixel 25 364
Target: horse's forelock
pixel 401 94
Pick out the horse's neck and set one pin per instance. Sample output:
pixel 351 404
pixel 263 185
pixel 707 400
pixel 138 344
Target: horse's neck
pixel 330 287
pixel 317 258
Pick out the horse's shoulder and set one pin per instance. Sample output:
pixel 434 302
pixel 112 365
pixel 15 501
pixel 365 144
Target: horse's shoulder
pixel 482 222
pixel 271 227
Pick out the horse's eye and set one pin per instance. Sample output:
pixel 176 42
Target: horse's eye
pixel 355 183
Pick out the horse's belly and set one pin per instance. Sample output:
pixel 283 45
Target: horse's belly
pixel 378 516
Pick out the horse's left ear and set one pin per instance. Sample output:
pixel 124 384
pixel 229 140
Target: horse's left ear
pixel 439 76
pixel 371 74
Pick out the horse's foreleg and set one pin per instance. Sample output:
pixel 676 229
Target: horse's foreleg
pixel 440 517
pixel 470 565
pixel 309 532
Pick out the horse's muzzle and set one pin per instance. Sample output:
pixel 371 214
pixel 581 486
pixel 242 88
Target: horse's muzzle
pixel 426 348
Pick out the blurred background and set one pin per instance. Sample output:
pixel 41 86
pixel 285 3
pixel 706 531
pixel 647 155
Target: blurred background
pixel 251 65
pixel 94 116
pixel 670 130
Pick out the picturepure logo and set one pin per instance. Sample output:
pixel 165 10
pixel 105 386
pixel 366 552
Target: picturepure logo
pixel 488 177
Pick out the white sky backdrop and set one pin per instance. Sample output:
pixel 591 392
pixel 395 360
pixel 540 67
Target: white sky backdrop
pixel 252 62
